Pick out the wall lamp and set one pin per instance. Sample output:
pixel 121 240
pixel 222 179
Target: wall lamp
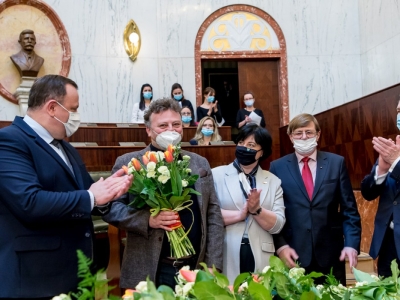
pixel 132 40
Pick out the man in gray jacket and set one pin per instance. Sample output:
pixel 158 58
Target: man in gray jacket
pixel 147 250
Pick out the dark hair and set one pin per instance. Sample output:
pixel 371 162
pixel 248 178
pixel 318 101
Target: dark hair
pixel 48 87
pixel 261 137
pixel 192 123
pixel 26 31
pixel 141 103
pixel 177 86
pixel 159 106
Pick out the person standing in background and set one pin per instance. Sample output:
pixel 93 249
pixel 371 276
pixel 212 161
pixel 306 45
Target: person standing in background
pixel 210 107
pixel 177 94
pixel 242 117
pixel 146 95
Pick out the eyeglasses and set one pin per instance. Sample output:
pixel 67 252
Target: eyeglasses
pixel 308 133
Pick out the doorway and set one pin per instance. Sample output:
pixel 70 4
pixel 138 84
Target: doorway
pixel 231 79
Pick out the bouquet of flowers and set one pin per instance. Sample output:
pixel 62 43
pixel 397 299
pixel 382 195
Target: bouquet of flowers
pixel 162 181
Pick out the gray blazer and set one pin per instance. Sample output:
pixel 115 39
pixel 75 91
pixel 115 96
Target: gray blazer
pixel 143 248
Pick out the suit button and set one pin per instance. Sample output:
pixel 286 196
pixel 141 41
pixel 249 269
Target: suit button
pixel 394 202
pixel 87 234
pixel 160 239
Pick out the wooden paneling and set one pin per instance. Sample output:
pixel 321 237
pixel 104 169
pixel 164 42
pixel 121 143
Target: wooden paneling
pixel 348 130
pixel 102 158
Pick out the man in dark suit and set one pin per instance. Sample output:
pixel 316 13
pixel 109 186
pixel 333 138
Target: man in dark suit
pixel 47 196
pixel 27 61
pixel 320 206
pixel 384 182
pixel 147 251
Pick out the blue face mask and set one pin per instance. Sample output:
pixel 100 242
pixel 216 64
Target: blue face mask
pixel 398 121
pixel 147 95
pixel 186 119
pixel 207 132
pixel 178 97
pixel 210 99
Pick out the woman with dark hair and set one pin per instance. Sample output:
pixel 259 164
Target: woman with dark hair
pixel 210 107
pixel 251 201
pixel 177 94
pixel 207 132
pixel 187 117
pixel 243 115
pixel 146 95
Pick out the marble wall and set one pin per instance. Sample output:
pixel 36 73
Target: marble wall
pixel 380 43
pixel 322 37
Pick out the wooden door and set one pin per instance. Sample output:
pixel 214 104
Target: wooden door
pixel 261 77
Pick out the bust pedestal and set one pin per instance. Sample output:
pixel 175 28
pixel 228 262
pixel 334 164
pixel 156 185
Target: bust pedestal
pixel 22 93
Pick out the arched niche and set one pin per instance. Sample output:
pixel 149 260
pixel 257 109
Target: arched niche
pixel 243 32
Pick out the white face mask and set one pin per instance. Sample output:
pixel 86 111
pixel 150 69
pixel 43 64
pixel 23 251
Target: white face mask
pixel 166 138
pixel 73 122
pixel 305 147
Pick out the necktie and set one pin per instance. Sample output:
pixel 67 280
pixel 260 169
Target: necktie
pixel 55 143
pixel 307 177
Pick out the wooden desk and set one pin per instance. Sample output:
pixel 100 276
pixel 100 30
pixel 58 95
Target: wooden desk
pixel 103 158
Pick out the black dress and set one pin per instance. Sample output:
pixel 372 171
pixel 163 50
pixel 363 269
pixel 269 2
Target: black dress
pixel 203 112
pixel 242 113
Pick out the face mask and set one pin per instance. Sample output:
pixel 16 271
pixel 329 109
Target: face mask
pixel 73 122
pixel 178 97
pixel 166 138
pixel 147 95
pixel 398 121
pixel 305 147
pixel 186 119
pixel 249 102
pixel 207 132
pixel 245 156
pixel 210 99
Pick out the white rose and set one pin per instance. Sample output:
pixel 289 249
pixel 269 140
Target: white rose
pixel 160 156
pixel 265 270
pixel 178 290
pixel 141 287
pixel 243 287
pixel 151 174
pixel 187 288
pixel 296 273
pixel 151 166
pixel 163 170
pixel 186 157
pixel 184 183
pixel 131 170
pixel 163 179
pixel 61 297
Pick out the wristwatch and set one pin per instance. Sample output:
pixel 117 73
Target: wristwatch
pixel 258 211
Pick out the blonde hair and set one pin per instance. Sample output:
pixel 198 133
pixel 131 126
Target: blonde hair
pixel 215 137
pixel 302 120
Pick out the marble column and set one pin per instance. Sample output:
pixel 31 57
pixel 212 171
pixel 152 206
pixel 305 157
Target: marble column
pixel 22 93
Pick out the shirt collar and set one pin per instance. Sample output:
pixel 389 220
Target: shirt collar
pixel 39 129
pixel 313 156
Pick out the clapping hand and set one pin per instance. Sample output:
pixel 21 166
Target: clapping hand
pixel 253 200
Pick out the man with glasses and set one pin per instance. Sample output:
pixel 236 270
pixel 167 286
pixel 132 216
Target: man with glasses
pixel 322 221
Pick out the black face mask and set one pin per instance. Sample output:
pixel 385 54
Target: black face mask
pixel 245 156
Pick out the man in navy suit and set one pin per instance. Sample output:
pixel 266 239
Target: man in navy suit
pixel 322 221
pixel 383 182
pixel 47 196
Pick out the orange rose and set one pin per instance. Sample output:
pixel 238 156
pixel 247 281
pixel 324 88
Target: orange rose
pixel 136 164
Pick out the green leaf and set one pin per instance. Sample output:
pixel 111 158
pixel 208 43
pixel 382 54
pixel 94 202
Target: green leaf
pixel 258 291
pixel 282 285
pixel 210 290
pixel 362 276
pixel 395 270
pixel 167 292
pixel 277 264
pixel 220 279
pixel 204 276
pixel 239 280
pixel 307 296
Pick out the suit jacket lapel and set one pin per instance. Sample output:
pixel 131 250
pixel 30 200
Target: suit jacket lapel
pixel 233 186
pixel 322 168
pixel 294 170
pixel 262 184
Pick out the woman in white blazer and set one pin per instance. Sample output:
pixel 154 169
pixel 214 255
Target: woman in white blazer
pixel 251 201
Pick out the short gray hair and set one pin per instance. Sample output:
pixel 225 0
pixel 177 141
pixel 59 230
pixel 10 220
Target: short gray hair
pixel 158 106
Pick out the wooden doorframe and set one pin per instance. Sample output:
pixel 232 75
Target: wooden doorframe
pixel 238 55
